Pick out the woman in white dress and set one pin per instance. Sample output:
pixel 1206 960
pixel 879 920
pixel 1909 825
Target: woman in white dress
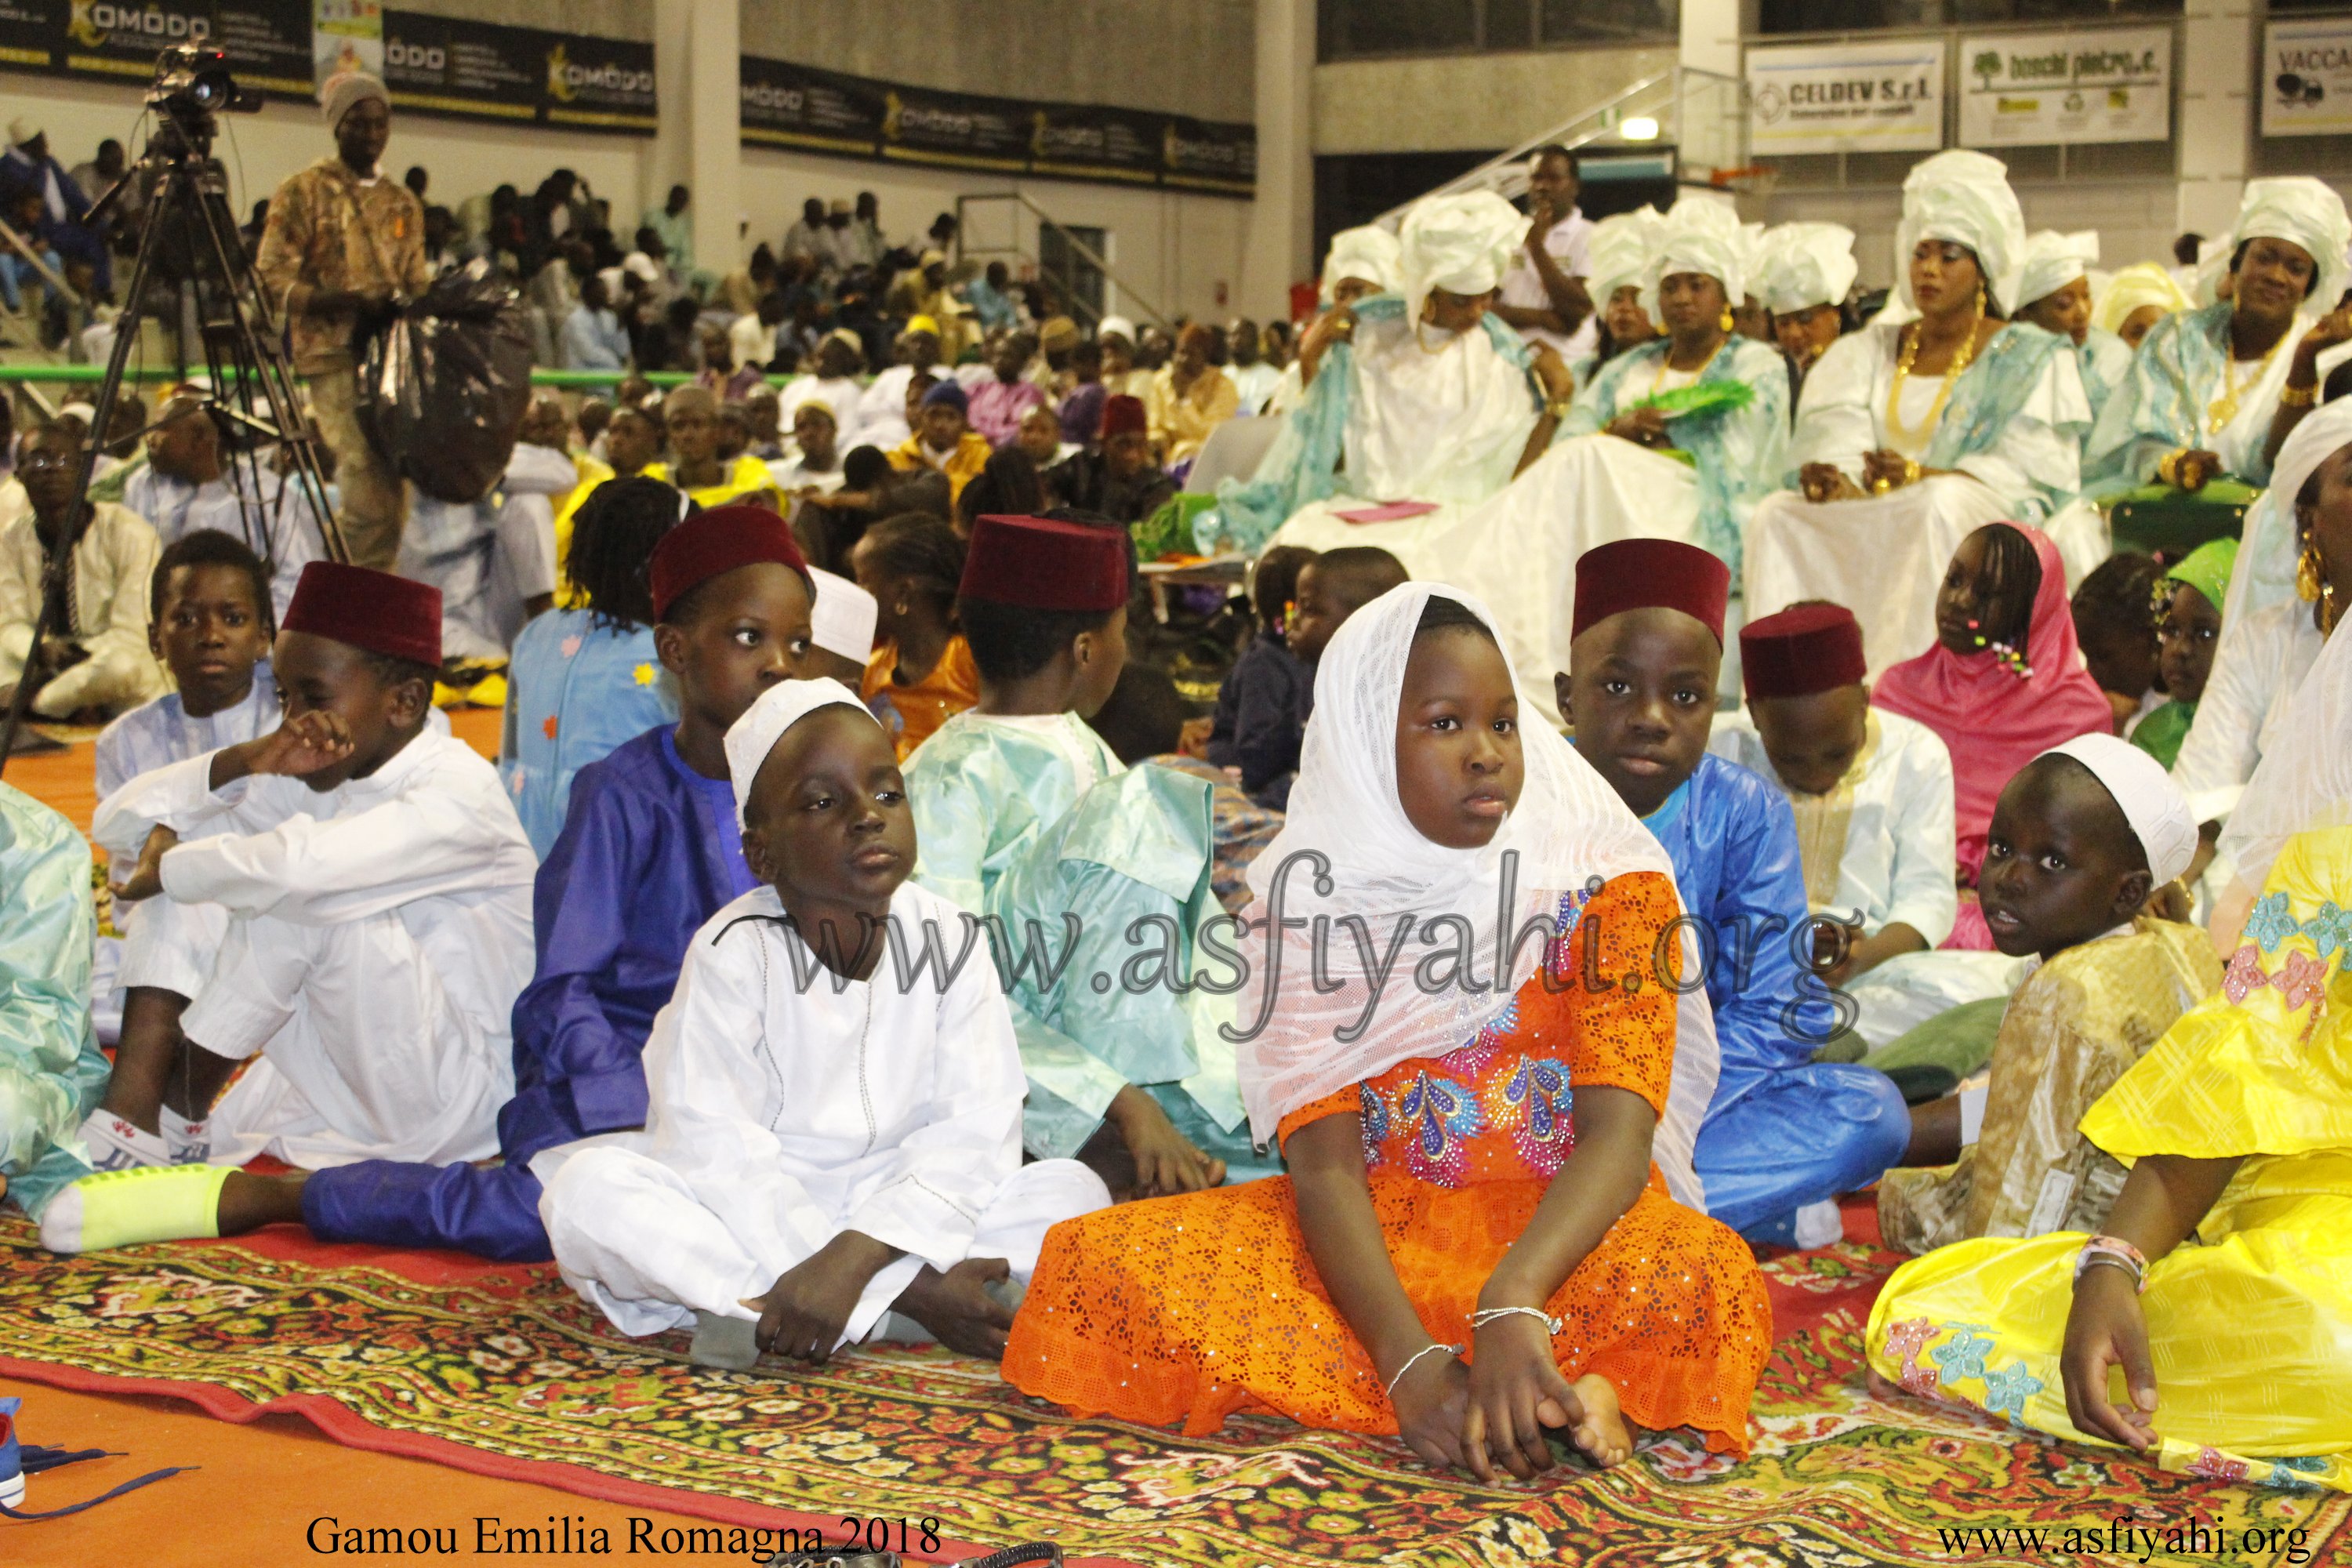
pixel 2208 393
pixel 1422 397
pixel 1678 438
pixel 2265 654
pixel 1912 436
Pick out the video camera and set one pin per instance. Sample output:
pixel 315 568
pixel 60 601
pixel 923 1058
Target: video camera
pixel 193 84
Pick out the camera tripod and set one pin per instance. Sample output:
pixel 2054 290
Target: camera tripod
pixel 189 239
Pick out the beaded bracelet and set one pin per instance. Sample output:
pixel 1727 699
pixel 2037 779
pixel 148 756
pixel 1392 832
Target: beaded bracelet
pixel 1479 1320
pixel 2113 1252
pixel 1410 1360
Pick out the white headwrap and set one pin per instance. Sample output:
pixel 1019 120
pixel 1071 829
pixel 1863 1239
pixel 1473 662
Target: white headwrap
pixel 1115 326
pixel 2052 260
pixel 1807 264
pixel 1567 829
pixel 2301 211
pixel 1461 244
pixel 2152 803
pixel 2302 783
pixel 2143 283
pixel 842 621
pixel 2264 573
pixel 1703 235
pixel 1964 198
pixel 1370 253
pixel 751 738
pixel 1618 252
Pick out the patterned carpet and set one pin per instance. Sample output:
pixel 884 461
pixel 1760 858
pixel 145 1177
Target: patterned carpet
pixel 501 1369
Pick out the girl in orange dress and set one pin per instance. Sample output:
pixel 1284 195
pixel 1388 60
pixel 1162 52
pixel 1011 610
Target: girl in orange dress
pixel 1421 1271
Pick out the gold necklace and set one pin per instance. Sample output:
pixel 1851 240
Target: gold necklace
pixel 1961 357
pixel 1665 359
pixel 2224 408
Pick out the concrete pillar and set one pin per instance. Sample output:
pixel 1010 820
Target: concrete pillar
pixel 1710 35
pixel 697 47
pixel 1279 248
pixel 2219 41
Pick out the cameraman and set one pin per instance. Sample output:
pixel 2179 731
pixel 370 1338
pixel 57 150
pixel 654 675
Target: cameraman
pixel 343 245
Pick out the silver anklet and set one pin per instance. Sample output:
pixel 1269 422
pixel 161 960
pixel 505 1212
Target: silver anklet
pixel 1410 1360
pixel 1479 1320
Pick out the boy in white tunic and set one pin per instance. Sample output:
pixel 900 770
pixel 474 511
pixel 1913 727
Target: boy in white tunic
pixel 834 1132
pixel 1873 801
pixel 378 889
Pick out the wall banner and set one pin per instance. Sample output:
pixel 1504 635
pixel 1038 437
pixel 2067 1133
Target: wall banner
pixel 2037 88
pixel 797 106
pixel 480 70
pixel 2308 77
pixel 1847 98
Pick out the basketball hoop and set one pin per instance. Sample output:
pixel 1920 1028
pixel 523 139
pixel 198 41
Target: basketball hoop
pixel 1749 180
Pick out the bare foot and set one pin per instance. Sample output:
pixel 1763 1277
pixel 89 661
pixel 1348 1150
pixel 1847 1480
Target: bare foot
pixel 1601 1433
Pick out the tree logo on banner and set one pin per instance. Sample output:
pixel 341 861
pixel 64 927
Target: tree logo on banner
pixel 1987 64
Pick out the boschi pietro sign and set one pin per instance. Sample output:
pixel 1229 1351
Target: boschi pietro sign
pixel 1847 98
pixel 2033 89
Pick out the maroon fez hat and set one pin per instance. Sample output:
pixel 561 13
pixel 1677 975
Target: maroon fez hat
pixel 1123 415
pixel 1650 573
pixel 718 540
pixel 1044 563
pixel 366 608
pixel 1804 649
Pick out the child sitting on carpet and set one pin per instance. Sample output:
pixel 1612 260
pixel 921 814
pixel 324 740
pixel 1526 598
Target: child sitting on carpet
pixel 1785 1134
pixel 841 628
pixel 1262 705
pixel 1332 587
pixel 210 625
pixel 375 881
pixel 818 1155
pixel 648 852
pixel 2081 838
pixel 1043 604
pixel 2188 632
pixel 920 673
pixel 1488 1160
pixel 2116 631
pixel 586 678
pixel 1871 795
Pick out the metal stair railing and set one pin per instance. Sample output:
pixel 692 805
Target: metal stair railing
pixel 1129 294
pixel 1701 113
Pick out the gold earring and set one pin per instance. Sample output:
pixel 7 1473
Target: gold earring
pixel 1980 300
pixel 2309 582
pixel 1727 322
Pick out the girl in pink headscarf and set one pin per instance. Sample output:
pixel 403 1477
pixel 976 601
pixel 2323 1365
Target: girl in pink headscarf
pixel 2004 682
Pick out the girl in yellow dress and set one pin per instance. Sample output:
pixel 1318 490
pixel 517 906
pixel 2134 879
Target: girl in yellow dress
pixel 2209 1326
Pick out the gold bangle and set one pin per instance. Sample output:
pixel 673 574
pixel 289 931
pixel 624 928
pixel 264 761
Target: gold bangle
pixel 1558 408
pixel 1911 470
pixel 2168 468
pixel 2292 397
pixel 1881 485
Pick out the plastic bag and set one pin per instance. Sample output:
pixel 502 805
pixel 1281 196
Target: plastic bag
pixel 444 388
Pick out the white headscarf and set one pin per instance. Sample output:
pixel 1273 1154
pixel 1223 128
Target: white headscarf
pixel 1807 264
pixel 1618 252
pixel 1965 197
pixel 1370 253
pixel 2052 260
pixel 751 738
pixel 1567 829
pixel 1461 244
pixel 843 619
pixel 2264 573
pixel 2142 283
pixel 2301 211
pixel 2152 803
pixel 1701 234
